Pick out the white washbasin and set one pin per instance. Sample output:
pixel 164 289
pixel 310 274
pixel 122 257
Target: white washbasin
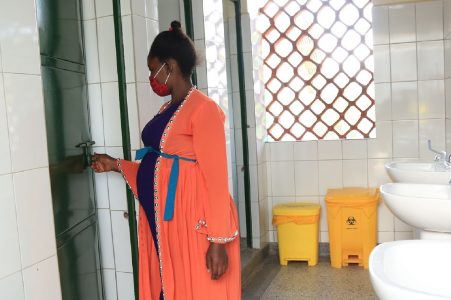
pixel 424 206
pixel 413 270
pixel 419 172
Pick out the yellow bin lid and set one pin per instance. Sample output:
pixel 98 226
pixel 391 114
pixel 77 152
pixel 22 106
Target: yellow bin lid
pixel 296 209
pixel 355 195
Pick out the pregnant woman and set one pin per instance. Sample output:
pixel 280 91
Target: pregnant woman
pixel 188 227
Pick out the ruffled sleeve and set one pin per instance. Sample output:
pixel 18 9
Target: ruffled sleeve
pixel 129 171
pixel 210 150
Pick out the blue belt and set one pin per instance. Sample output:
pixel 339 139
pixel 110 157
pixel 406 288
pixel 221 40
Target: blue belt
pixel 173 177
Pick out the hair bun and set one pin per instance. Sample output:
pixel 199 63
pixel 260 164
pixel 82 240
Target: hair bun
pixel 176 26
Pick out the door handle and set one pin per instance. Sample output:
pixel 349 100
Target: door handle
pixel 86 146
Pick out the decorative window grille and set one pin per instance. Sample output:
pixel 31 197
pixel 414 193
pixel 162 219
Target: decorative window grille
pixel 318 69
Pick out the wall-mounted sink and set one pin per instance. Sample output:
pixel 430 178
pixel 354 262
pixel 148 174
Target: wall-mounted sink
pixel 424 206
pixel 419 172
pixel 414 270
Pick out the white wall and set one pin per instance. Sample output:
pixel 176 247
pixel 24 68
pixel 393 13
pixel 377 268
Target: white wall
pixel 139 26
pixel 168 11
pixel 213 71
pixel 255 111
pixel 209 41
pixel 447 36
pixel 410 108
pixel 106 132
pixel 28 262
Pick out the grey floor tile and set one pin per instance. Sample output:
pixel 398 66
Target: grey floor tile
pixel 298 281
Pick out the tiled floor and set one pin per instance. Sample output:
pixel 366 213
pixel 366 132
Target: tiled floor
pixel 246 254
pixel 298 281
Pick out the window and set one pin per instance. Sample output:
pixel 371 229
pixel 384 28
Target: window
pixel 318 69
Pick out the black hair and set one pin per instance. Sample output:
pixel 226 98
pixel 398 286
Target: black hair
pixel 174 43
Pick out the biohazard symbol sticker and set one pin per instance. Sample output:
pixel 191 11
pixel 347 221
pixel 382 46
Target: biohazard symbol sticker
pixel 351 221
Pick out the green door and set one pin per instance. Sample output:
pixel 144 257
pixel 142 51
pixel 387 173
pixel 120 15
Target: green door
pixel 69 144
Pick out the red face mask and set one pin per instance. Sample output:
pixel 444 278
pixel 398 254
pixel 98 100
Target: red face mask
pixel 161 89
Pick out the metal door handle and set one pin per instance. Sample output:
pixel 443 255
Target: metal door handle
pixel 85 144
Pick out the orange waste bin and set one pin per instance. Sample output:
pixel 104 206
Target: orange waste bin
pixel 352 223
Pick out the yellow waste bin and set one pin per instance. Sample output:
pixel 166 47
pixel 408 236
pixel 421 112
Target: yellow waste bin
pixel 297 231
pixel 352 221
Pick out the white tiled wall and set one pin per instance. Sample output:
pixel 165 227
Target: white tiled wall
pixel 212 72
pixel 255 124
pixel 28 262
pixel 139 27
pixel 447 83
pixel 105 123
pixel 211 39
pixel 411 93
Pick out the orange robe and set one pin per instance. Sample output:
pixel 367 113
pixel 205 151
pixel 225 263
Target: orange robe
pixel 204 211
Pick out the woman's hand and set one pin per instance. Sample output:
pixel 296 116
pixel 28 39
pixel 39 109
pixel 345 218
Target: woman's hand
pixel 103 163
pixel 216 260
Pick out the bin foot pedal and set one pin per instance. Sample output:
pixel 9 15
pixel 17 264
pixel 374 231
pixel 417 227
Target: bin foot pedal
pixel 352 260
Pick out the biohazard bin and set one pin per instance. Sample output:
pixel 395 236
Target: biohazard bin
pixel 297 232
pixel 352 221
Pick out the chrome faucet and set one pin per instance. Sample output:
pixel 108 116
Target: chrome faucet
pixel 441 156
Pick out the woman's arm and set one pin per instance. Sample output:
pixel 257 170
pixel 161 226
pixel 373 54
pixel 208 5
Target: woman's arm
pixel 210 149
pixel 129 169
